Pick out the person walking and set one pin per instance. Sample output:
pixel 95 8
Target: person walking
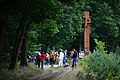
pixel 37 58
pixel 47 58
pixel 42 57
pixel 65 56
pixel 61 58
pixel 74 56
pixel 51 58
pixel 57 57
pixel 71 58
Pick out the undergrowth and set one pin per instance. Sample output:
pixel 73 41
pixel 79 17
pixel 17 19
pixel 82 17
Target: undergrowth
pixel 100 66
pixel 20 73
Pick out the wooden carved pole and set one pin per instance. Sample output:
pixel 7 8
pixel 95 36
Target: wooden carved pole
pixel 86 18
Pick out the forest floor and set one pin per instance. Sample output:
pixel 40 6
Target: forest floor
pixel 56 73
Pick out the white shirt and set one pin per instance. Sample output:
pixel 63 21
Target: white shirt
pixel 37 52
pixel 61 55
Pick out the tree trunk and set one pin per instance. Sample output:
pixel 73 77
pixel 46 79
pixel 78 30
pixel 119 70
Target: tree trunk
pixel 48 48
pixel 54 48
pixel 24 52
pixel 19 36
pixel 1 47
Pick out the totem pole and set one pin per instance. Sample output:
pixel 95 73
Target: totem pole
pixel 87 21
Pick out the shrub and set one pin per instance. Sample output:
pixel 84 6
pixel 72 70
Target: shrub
pixel 100 46
pixel 101 66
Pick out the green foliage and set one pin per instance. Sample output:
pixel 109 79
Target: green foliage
pixel 49 27
pixel 32 38
pixel 117 51
pixel 104 24
pixel 103 66
pixel 100 46
pixel 45 32
pixel 71 20
pixel 82 62
pixel 61 31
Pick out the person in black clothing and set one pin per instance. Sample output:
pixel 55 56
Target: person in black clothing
pixel 38 60
pixel 74 56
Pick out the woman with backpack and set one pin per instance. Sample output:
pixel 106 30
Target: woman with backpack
pixel 74 57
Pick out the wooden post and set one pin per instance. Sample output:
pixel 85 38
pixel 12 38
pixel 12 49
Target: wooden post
pixel 87 20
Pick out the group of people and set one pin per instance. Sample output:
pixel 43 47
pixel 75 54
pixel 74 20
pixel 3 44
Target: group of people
pixel 62 58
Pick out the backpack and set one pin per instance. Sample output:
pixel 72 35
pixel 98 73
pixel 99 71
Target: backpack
pixel 75 54
pixel 51 55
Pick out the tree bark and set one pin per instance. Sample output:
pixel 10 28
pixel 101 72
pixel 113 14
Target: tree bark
pixel 1 46
pixel 19 36
pixel 54 48
pixel 48 48
pixel 24 52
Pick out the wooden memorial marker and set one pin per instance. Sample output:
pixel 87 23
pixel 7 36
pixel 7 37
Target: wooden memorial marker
pixel 87 21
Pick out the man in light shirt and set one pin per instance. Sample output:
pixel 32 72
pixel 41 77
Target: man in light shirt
pixel 61 55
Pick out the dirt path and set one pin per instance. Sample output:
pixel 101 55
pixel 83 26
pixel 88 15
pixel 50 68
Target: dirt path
pixel 56 74
pixel 71 75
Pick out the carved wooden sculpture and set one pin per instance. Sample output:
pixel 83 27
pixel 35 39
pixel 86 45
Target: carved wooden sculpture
pixel 87 21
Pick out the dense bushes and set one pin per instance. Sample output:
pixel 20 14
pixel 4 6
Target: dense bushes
pixel 101 66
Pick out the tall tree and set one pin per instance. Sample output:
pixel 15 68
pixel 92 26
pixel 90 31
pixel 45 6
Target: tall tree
pixel 1 45
pixel 23 61
pixel 31 11
pixel 71 23
pixel 116 10
pixel 104 24
pixel 19 36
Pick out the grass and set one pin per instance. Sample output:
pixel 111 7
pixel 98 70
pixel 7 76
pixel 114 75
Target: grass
pixel 21 73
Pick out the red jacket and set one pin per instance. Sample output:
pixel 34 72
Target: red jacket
pixel 42 57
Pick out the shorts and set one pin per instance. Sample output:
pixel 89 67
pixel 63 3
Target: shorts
pixel 74 59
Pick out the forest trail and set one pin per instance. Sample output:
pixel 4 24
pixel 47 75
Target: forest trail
pixel 56 74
